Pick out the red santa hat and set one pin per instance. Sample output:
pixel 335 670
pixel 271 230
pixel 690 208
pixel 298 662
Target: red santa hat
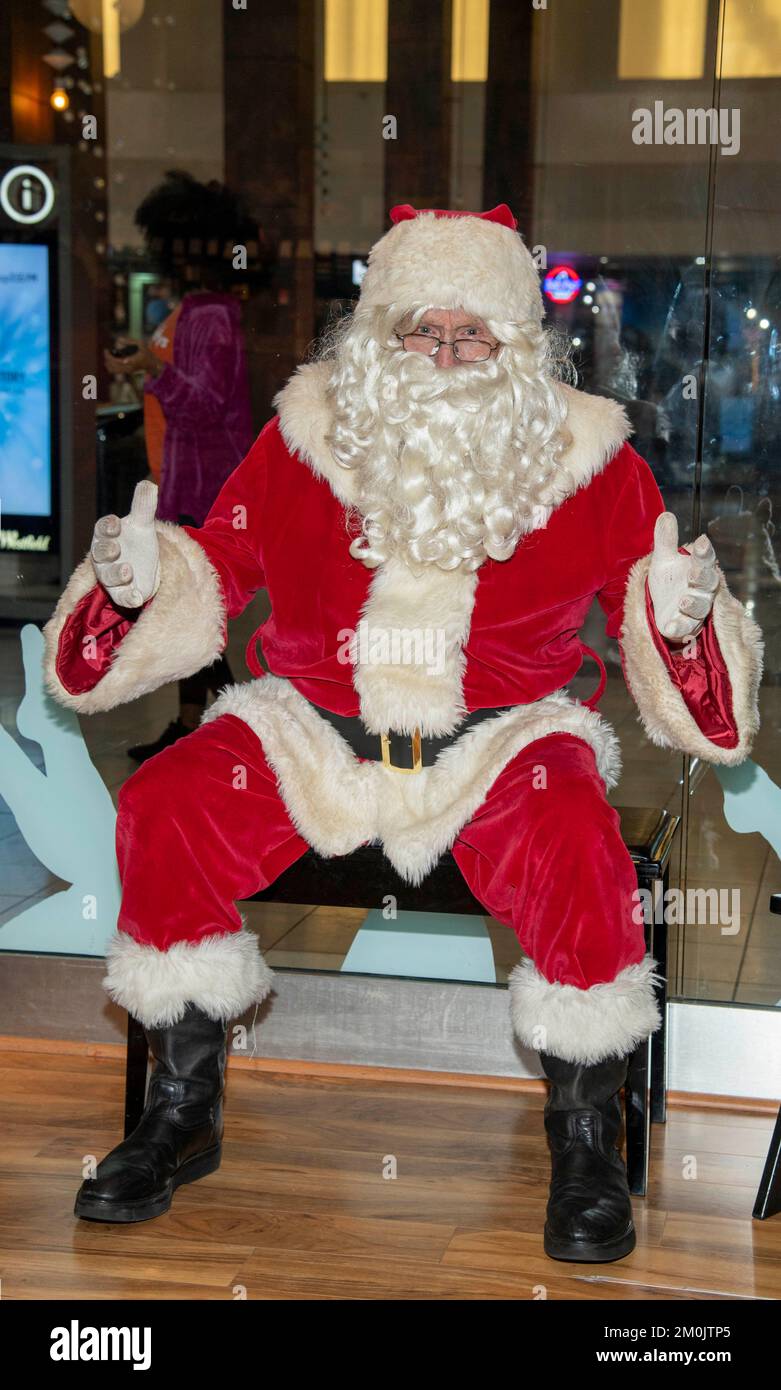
pixel 450 260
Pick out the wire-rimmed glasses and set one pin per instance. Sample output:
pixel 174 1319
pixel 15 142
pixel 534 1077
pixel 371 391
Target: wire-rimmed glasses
pixel 463 349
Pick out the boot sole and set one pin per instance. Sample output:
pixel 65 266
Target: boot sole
pixel 145 1208
pixel 582 1251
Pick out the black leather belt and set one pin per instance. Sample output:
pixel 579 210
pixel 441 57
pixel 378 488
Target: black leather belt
pixel 402 752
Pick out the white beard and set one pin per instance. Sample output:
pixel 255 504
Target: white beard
pixel 451 464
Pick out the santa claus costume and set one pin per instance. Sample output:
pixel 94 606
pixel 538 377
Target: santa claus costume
pixel 487 506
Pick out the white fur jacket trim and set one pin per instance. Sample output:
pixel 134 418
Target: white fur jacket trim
pixel 337 802
pixel 435 607
pixel 598 427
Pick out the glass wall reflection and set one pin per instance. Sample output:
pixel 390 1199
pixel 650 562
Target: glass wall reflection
pixel 660 261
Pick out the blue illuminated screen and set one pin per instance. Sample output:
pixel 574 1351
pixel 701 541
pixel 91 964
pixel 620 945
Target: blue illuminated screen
pixel 25 381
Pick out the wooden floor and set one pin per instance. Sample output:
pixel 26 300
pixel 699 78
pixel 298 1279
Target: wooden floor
pixel 300 1208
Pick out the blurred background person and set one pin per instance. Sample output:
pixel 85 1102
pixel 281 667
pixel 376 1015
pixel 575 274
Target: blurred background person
pixel 197 417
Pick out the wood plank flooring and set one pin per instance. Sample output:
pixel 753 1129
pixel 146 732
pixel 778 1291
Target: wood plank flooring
pixel 301 1209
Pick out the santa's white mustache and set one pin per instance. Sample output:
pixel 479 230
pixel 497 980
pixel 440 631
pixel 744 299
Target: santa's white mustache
pixel 417 378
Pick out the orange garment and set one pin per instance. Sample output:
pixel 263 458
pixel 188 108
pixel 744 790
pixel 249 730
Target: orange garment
pixel 162 345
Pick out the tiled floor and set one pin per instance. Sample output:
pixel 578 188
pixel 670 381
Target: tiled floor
pixel 742 968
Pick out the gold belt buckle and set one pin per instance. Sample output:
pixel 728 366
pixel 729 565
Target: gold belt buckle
pixel 417 759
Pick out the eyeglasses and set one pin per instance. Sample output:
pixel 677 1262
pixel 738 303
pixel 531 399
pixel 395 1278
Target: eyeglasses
pixel 464 349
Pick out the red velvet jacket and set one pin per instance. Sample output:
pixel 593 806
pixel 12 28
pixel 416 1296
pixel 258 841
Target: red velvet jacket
pixel 524 639
pixel 276 525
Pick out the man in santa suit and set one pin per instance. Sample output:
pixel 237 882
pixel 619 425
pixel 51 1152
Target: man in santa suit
pixel 432 512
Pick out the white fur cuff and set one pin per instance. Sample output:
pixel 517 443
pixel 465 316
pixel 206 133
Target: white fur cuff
pixel 223 975
pixel 663 710
pixel 180 632
pixel 584 1025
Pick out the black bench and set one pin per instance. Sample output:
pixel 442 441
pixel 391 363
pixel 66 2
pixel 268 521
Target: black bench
pixel 365 877
pixel 768 1201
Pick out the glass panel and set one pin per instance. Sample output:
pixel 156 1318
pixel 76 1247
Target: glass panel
pixel 659 262
pixel 734 830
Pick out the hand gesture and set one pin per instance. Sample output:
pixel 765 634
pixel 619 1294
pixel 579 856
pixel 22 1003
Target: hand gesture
pixel 125 553
pixel 142 360
pixel 682 586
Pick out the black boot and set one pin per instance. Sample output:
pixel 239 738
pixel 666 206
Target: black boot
pixel 175 730
pixel 179 1135
pixel 589 1210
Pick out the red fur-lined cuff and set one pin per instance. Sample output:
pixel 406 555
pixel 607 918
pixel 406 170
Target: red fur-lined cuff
pixel 97 655
pixel 700 672
pixel 706 703
pixel 89 639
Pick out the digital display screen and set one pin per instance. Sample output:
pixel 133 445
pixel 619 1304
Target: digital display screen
pixel 25 381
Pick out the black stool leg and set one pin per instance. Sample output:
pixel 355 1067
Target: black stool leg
pixel 637 1088
pixel 768 1201
pixel 659 1038
pixel 135 1073
pixel 638 1118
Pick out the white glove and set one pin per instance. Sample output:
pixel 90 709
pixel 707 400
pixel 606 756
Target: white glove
pixel 125 553
pixel 682 586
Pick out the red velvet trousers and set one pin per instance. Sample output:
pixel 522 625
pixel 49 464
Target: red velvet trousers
pixel 202 825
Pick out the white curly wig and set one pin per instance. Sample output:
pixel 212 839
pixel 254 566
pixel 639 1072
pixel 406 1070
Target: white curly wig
pixel 454 465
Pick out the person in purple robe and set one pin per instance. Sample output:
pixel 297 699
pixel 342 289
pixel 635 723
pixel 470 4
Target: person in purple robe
pixel 197 417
